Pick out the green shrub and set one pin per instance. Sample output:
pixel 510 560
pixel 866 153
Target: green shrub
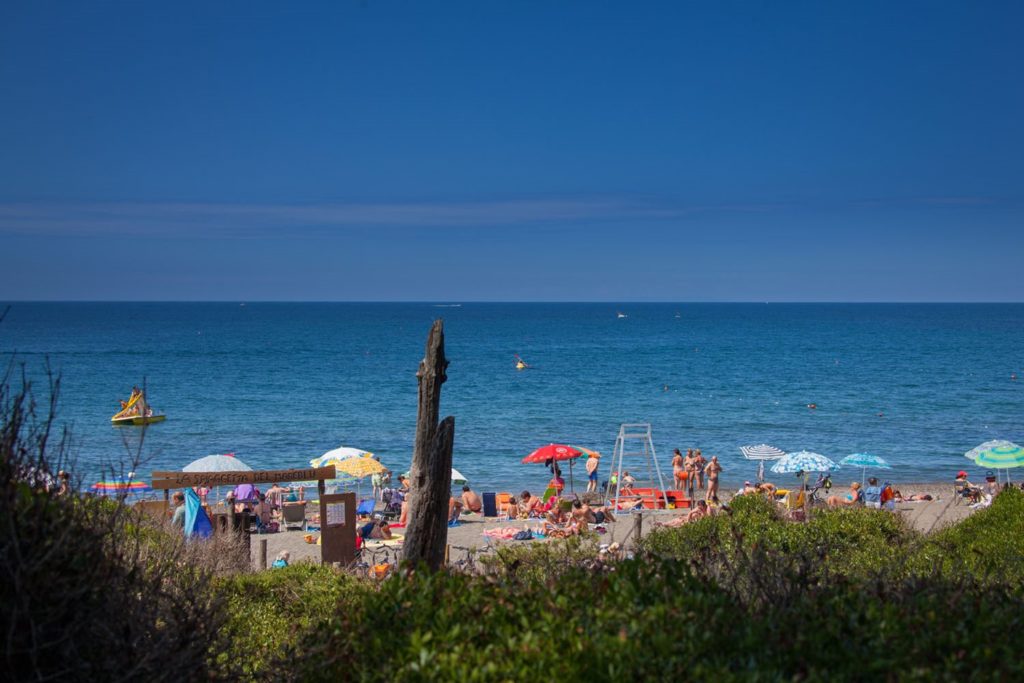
pixel 270 613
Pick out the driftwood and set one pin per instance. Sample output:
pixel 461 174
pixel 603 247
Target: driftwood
pixel 431 476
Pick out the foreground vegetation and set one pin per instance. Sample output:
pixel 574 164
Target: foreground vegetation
pixel 89 592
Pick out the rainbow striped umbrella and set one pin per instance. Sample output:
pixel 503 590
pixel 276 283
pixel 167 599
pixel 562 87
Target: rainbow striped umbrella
pixel 119 486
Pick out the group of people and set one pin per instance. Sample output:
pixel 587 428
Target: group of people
pixel 693 471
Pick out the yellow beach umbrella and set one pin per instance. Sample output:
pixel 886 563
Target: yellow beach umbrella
pixel 359 467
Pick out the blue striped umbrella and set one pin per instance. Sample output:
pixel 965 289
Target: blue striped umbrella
pixel 803 461
pixel 864 461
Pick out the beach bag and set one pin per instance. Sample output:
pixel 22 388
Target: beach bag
pixel 524 535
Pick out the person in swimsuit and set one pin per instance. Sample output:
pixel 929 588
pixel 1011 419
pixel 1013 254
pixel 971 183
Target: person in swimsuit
pixel 470 500
pixel 713 469
pixel 678 469
pixel 592 463
pixel 699 463
pixel 851 497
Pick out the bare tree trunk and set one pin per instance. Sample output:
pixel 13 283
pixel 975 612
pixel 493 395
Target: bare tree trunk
pixel 427 531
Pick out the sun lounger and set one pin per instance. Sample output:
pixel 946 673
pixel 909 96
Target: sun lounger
pixel 293 515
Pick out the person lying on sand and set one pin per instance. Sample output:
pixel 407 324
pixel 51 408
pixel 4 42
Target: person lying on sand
pixel 378 529
pixel 912 498
pixel 599 516
pixel 693 515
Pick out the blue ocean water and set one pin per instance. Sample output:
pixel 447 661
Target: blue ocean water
pixel 280 383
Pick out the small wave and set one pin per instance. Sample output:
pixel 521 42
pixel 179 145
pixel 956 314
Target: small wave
pixel 447 305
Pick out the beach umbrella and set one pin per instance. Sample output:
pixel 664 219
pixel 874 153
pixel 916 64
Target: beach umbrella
pixel 217 463
pixel 864 461
pixel 973 454
pixel 118 486
pixel 761 452
pixel 457 478
pixel 359 467
pixel 1001 458
pixel 803 461
pixel 336 456
pixel 553 452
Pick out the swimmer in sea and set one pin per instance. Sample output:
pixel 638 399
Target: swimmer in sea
pixel 812 406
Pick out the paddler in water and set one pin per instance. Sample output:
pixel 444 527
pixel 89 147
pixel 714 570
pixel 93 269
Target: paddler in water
pixel 521 364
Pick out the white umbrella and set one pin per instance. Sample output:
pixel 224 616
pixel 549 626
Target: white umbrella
pixel 338 454
pixel 217 463
pixel 457 478
pixel 761 452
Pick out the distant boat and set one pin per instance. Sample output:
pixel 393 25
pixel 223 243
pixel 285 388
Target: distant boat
pixel 620 314
pixel 136 411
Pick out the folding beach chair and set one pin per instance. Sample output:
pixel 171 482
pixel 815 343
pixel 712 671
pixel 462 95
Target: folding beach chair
pixel 293 515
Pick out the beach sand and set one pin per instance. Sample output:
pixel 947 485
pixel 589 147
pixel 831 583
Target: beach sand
pixel 468 535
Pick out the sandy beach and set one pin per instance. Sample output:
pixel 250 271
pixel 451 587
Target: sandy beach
pixel 469 536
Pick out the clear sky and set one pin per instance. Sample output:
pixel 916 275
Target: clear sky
pixel 512 150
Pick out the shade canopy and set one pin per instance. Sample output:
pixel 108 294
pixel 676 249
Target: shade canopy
pixel 865 460
pixel 803 461
pixel 337 455
pixel 359 467
pixel 1001 457
pixel 553 451
pixel 217 463
pixel 762 452
pixel 973 454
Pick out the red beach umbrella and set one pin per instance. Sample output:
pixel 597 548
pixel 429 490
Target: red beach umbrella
pixel 553 451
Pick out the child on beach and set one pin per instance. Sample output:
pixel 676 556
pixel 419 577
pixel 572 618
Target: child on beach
pixel 282 560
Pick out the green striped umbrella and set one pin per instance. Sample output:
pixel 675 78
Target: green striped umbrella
pixel 1001 458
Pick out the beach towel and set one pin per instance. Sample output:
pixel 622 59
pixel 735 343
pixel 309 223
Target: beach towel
pixel 196 521
pixel 507 532
pixel 379 542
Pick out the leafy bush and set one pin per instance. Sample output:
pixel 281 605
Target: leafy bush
pixel 271 613
pixel 658 619
pixel 85 594
pixel 988 544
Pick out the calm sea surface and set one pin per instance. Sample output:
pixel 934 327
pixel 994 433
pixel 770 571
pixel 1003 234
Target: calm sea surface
pixel 278 384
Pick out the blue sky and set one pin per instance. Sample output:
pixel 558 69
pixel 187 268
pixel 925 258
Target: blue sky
pixel 519 150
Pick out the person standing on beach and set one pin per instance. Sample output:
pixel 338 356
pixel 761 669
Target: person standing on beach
pixel 713 469
pixel 592 463
pixel 178 518
pixel 690 467
pixel 678 468
pixel 699 463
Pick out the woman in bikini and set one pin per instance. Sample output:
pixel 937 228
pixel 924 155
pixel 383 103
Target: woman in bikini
pixel 679 469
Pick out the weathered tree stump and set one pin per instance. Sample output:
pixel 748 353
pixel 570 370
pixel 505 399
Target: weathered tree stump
pixel 431 476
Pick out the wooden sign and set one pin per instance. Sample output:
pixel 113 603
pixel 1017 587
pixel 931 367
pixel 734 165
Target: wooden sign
pixel 181 480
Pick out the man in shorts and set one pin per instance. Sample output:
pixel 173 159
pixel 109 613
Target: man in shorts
pixel 592 462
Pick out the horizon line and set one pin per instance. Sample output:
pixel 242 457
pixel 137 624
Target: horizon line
pixel 456 302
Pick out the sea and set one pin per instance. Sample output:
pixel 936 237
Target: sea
pixel 278 384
